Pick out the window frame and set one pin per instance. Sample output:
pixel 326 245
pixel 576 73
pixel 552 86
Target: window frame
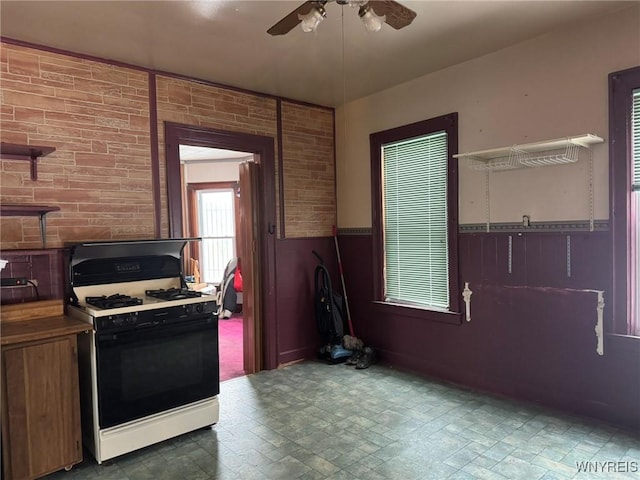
pixel 449 124
pixel 621 87
pixel 192 214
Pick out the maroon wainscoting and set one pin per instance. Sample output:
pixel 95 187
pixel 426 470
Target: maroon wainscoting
pixel 538 259
pixel 44 266
pixel 356 253
pixel 297 337
pixel 532 330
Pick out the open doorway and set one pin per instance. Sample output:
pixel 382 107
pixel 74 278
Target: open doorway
pixel 258 323
pixel 211 183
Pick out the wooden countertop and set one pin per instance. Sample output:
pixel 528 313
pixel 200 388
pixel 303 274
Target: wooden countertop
pixel 40 329
pixel 26 322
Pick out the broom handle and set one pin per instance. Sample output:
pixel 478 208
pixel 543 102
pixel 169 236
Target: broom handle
pixel 344 288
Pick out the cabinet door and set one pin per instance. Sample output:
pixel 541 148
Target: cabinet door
pixel 42 407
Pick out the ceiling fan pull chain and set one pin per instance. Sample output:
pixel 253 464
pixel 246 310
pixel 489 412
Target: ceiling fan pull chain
pixel 344 98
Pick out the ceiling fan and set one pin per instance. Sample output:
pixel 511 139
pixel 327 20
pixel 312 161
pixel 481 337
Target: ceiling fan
pixel 373 13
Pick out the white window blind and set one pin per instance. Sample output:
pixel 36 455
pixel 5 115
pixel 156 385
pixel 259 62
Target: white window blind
pixel 635 139
pixel 635 209
pixel 415 221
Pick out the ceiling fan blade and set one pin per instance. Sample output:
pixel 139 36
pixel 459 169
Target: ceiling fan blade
pixel 397 15
pixel 289 22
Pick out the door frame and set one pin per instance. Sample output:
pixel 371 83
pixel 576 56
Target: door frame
pixel 263 150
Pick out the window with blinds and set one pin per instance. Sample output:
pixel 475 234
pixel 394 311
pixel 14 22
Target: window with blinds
pixel 415 219
pixel 635 139
pixel 635 211
pixel 624 155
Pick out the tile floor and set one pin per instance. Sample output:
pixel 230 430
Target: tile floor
pixel 317 421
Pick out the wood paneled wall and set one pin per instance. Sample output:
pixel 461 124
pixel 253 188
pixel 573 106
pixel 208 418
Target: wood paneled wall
pixel 97 116
pixel 308 141
pixel 189 103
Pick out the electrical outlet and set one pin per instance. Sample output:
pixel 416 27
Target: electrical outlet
pixel 13 282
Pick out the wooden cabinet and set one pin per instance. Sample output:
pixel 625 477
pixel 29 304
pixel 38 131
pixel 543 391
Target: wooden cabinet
pixel 40 402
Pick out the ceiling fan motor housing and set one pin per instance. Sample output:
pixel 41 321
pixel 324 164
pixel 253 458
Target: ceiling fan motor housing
pixel 388 11
pixel 352 3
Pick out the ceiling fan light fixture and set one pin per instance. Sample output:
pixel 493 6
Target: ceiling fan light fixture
pixel 311 20
pixel 372 21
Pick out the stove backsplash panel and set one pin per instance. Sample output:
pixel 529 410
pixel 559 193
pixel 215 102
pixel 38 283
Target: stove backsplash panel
pixel 127 269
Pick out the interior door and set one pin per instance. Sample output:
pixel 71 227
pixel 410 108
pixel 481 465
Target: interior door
pixel 250 263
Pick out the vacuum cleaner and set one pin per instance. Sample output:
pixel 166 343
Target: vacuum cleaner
pixel 329 316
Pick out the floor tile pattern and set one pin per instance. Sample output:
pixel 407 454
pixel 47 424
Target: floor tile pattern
pixel 316 421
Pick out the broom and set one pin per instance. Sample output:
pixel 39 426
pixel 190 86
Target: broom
pixel 350 342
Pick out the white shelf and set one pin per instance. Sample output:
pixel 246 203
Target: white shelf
pixel 558 151
pixel 539 154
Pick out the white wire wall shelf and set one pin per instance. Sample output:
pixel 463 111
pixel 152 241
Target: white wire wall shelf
pixel 538 154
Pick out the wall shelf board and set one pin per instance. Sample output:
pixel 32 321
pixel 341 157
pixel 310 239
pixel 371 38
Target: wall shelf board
pixel 582 140
pixel 12 151
pixel 538 154
pixel 30 211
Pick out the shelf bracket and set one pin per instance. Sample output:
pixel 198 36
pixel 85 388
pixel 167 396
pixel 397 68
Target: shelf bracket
pixel 599 325
pixel 43 226
pixel 30 211
pixel 34 169
pixel 466 296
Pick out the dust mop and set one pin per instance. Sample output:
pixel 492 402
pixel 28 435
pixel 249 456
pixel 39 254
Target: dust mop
pixel 350 342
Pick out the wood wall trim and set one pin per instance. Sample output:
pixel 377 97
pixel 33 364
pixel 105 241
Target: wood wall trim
pixel 155 154
pixel 280 168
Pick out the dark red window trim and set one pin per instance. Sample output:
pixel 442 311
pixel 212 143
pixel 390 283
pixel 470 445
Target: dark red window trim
pixel 621 86
pixel 448 123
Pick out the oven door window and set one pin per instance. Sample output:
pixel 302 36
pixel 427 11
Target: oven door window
pixel 155 369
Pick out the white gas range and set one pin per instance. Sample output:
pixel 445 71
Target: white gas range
pixel 150 369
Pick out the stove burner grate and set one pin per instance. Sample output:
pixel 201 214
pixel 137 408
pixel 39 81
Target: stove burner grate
pixel 173 293
pixel 113 301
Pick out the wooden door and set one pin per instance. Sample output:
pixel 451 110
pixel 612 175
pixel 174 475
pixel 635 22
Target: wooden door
pixel 41 410
pixel 250 262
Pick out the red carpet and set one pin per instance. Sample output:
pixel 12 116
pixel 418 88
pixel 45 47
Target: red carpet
pixel 231 353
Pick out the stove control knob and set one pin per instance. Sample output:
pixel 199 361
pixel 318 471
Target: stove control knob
pixel 117 320
pixel 188 309
pixel 199 308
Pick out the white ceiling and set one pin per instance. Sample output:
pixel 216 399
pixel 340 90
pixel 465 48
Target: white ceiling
pixel 191 153
pixel 226 41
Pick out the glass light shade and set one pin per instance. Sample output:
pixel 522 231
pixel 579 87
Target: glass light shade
pixel 372 22
pixel 311 20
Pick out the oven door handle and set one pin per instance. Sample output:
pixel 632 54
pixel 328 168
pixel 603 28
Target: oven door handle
pixel 157 331
pixel 149 324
